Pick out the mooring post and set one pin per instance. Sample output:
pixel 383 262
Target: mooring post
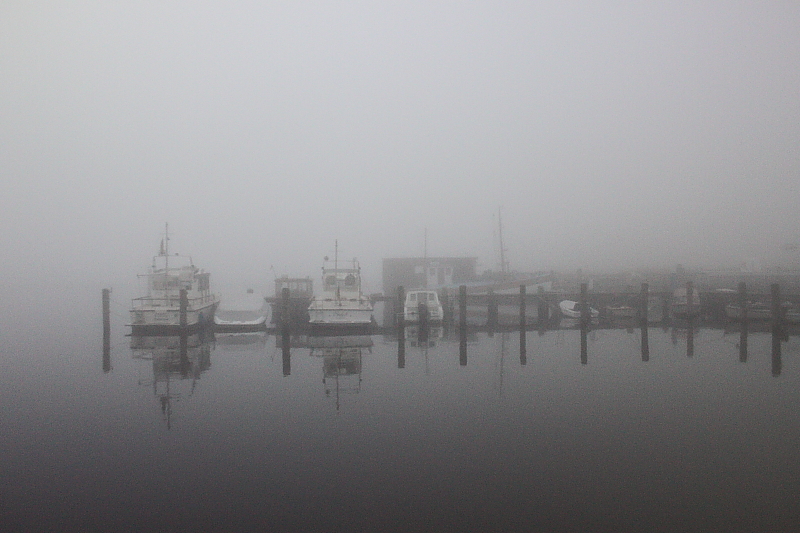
pixel 106 330
pixel 462 307
pixel 543 309
pixel 523 355
pixel 401 349
pixel 184 306
pixel 776 311
pixel 184 352
pixel 445 300
pixel 286 351
pixel 777 331
pixel 462 322
pixel 584 305
pixel 285 319
pixel 743 300
pixel 743 324
pixel 400 308
pixel 644 296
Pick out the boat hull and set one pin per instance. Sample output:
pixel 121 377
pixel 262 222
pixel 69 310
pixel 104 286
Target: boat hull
pixel 339 316
pixel 168 317
pixel 736 312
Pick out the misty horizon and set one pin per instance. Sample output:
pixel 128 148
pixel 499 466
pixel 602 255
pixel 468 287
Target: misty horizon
pixel 613 137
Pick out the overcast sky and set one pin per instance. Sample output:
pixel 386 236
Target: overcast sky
pixel 613 134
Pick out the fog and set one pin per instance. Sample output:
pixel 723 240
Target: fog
pixel 612 135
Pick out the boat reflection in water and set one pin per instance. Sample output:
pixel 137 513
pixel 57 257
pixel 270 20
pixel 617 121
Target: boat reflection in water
pixel 424 337
pixel 177 363
pixel 341 362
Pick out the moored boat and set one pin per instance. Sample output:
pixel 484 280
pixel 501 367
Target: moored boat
pixel 684 303
pixel 294 311
pixel 168 278
pixel 341 305
pixel 243 310
pixel 572 309
pixel 752 311
pixel 422 306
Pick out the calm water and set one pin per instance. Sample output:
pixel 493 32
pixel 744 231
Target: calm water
pixel 339 438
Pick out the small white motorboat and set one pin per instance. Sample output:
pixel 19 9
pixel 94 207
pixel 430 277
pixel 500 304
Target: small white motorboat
pixel 572 309
pixel 422 305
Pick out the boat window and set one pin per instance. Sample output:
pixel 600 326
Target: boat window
pixel 350 280
pixel 330 281
pixel 412 297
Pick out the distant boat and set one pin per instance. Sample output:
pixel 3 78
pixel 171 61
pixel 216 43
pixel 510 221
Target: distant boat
pixel 572 309
pixel 422 306
pixel 249 309
pixel 341 303
pixel 761 311
pixel 301 291
pixel 160 307
pixel 681 307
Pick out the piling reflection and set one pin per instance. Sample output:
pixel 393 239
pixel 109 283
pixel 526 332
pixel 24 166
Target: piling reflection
pixel 177 364
pixel 645 340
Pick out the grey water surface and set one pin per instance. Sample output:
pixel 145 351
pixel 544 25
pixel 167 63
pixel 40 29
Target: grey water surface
pixel 347 436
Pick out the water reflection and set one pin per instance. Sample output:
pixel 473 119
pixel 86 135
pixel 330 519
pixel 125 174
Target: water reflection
pixel 177 364
pixel 341 363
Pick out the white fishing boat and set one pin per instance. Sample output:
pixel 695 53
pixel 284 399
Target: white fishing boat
pixel 572 309
pixel 422 306
pixel 341 303
pixel 161 306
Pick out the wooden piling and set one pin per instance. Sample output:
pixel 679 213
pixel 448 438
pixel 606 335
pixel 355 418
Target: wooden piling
pixel 285 317
pixel 399 310
pixel 584 305
pixel 286 349
pixel 447 310
pixel 184 306
pixel 523 352
pixel 645 343
pixel 401 351
pixel 462 307
pixel 777 309
pixel 106 330
pixel 644 297
pixel 743 325
pixel 777 364
pixel 462 347
pixel 743 299
pixel 543 309
pixel 584 343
